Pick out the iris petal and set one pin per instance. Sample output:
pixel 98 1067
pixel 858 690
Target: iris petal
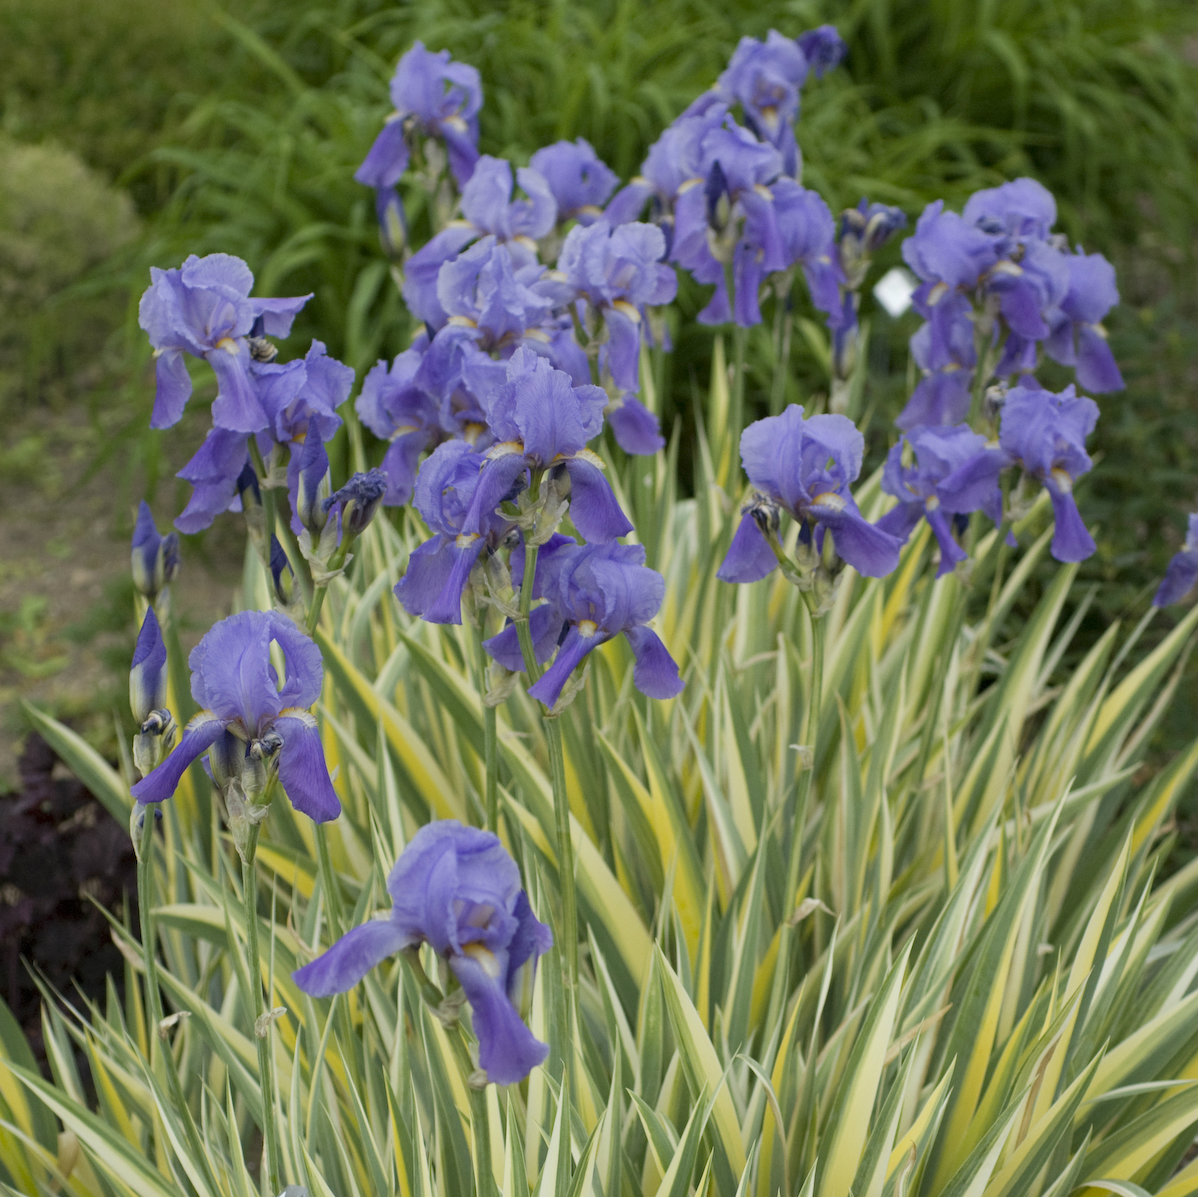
pixel 201 732
pixel 351 958
pixel 303 770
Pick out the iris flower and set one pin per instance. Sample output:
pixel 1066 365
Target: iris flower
pixel 250 715
pixel 1182 572
pixel 204 308
pixel 593 593
pixel 457 889
pixel 804 465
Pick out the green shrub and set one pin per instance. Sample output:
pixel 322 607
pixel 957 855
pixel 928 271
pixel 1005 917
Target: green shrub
pixel 58 221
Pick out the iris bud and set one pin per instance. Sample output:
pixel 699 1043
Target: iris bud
pixel 155 559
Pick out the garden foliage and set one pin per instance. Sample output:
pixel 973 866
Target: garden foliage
pixel 741 836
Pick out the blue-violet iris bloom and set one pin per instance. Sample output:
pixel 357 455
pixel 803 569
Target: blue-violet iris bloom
pixel 542 421
pixel 805 464
pixel 434 96
pixel 248 711
pixel 457 889
pixel 593 593
pixel 1182 572
pixel 204 309
pixel 937 452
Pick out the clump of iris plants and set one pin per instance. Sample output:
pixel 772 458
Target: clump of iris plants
pixel 492 486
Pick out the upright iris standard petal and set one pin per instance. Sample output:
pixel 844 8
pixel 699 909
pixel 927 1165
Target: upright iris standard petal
pixel 457 889
pixel 578 179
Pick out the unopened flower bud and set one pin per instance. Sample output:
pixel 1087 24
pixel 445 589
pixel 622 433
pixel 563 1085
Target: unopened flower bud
pixel 147 677
pixel 357 502
pixel 393 226
pixel 281 572
pixel 155 559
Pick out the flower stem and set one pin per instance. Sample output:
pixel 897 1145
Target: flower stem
pixel 815 684
pixel 565 845
pixel 159 1047
pixel 490 736
pixel 321 588
pixel 280 528
pixel 262 1019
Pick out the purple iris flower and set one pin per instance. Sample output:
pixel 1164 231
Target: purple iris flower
pixel 1023 208
pixel 488 207
pixel 946 251
pixel 203 308
pixel 1046 433
pixel 433 97
pixel 732 216
pixel 542 421
pixel 579 179
pixel 439 569
pixel 808 232
pixel 764 78
pixel 297 400
pixel 489 295
pixel 155 559
pixel 312 486
pixel 1078 338
pixel 457 889
pixel 248 714
pixel 805 464
pixel 593 593
pixel 938 452
pixel 1182 571
pixel 945 353
pixel 676 160
pixel 619 271
pixel 1002 255
pixel 397 406
pixel 823 48
pixel 214 472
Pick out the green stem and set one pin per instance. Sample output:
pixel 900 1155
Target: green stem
pixel 815 684
pixel 281 528
pixel 259 1011
pixel 783 324
pixel 490 734
pixel 565 845
pixel 484 1172
pixel 160 1050
pixel 739 342
pixel 328 883
pixel 320 589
